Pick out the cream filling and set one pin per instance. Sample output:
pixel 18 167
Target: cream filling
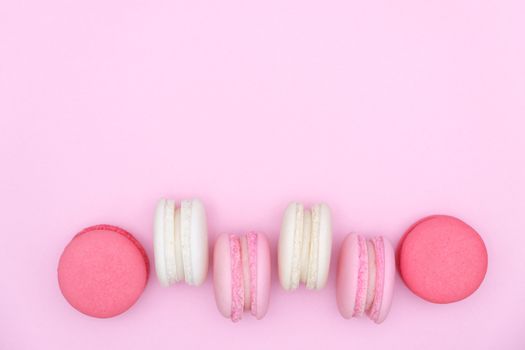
pixel 173 243
pixel 178 247
pixel 314 248
pixel 306 247
pixel 305 251
pixel 185 228
pixel 297 246
pixel 169 242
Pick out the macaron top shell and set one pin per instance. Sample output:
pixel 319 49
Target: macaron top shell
pixel 385 278
pixel 442 259
pixel 286 243
pixel 222 275
pixel 347 272
pixel 198 241
pixel 263 276
pixel 103 271
pixel 325 246
pixel 164 222
pixel 389 276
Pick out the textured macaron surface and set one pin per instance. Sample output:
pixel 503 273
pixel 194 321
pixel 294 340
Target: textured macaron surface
pixel 103 271
pixel 442 259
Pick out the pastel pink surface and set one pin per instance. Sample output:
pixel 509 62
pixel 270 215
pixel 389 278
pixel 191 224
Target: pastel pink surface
pixel 385 110
pixel 103 271
pixel 442 259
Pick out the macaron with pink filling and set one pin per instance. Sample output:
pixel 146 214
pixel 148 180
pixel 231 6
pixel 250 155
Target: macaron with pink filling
pixel 241 275
pixel 365 277
pixel 103 271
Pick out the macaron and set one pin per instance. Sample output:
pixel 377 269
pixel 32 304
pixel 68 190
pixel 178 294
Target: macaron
pixel 180 242
pixel 442 259
pixel 241 275
pixel 305 246
pixel 103 271
pixel 365 277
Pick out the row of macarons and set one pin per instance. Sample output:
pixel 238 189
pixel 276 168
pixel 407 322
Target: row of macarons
pixel 242 264
pixel 104 269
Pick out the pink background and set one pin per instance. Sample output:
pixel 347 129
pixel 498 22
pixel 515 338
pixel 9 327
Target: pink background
pixel 386 110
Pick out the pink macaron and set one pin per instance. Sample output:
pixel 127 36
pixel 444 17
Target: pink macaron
pixel 365 277
pixel 103 271
pixel 241 275
pixel 442 259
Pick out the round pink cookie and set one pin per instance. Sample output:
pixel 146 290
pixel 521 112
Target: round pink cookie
pixel 229 278
pixel 103 271
pixel 442 259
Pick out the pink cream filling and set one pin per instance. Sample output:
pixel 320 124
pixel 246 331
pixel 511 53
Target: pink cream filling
pixel 374 310
pixel 237 307
pixel 237 279
pixel 251 238
pixel 362 278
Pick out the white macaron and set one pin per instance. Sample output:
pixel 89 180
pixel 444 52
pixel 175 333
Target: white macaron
pixel 180 242
pixel 305 246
